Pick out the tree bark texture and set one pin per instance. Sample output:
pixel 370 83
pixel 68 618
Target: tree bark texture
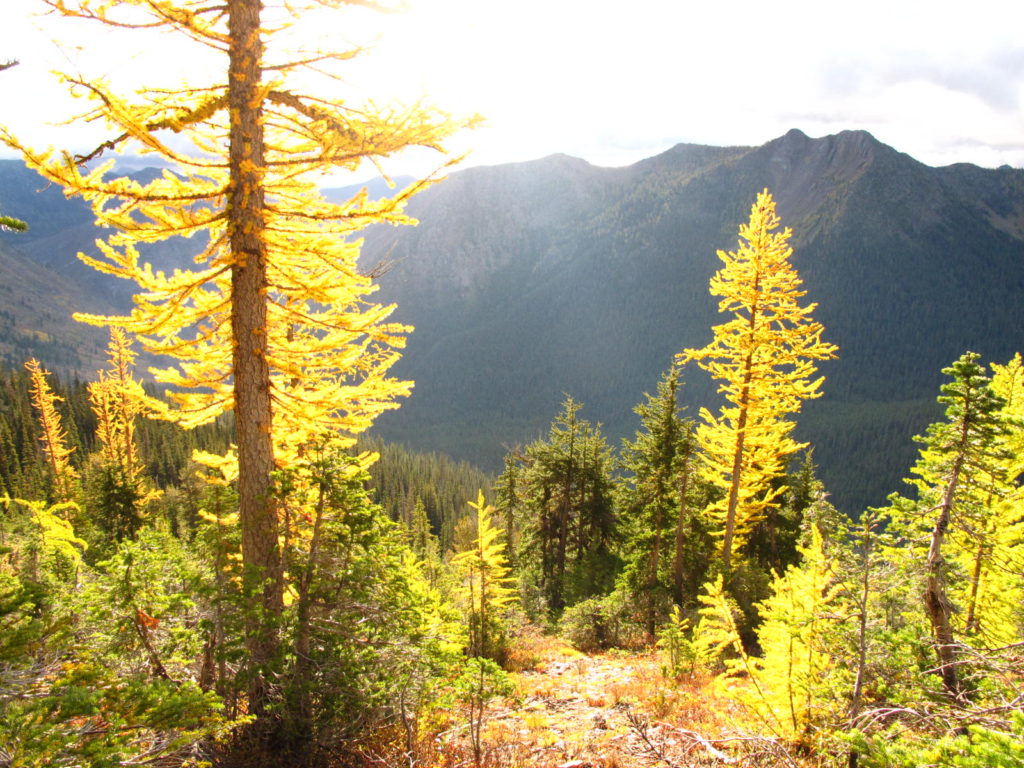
pixel 936 599
pixel 246 228
pixel 678 560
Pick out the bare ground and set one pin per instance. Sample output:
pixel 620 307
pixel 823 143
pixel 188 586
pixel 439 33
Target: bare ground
pixel 611 711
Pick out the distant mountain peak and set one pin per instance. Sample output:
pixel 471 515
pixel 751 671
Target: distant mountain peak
pixel 858 140
pixel 556 160
pixel 856 134
pixel 803 171
pixel 562 157
pixel 528 280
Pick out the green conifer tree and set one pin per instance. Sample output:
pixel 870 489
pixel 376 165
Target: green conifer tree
pixel 663 539
pixel 507 492
pixel 425 545
pixel 960 475
pixel 569 521
pixel 487 586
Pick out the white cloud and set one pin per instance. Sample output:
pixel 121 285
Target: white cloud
pixel 611 82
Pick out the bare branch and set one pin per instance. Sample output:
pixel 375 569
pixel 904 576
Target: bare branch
pixel 343 56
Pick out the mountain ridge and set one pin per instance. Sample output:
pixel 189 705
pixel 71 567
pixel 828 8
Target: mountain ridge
pixel 874 233
pixel 531 280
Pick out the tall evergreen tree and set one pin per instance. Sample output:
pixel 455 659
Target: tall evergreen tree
pixel 422 540
pixel 274 322
pixel 569 519
pixel 508 501
pixel 772 544
pixel 765 357
pixel 666 545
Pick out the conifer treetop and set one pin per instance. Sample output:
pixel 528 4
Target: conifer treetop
pixel 328 346
pixel 764 358
pixel 52 434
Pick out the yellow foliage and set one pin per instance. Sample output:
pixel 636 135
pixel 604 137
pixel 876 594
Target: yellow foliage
pixel 328 346
pixel 793 685
pixel 487 585
pixel 990 548
pixel 983 539
pixel 117 400
pixel 275 320
pixel 225 520
pixel 764 358
pixel 1008 383
pixel 797 681
pixel 224 468
pixel 717 635
pixel 56 536
pixel 52 434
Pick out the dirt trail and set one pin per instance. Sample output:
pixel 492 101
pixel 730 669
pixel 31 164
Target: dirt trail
pixel 578 711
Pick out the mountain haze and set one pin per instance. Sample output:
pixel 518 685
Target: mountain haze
pixel 529 281
pixel 537 279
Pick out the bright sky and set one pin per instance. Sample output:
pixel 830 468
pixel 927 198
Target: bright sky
pixel 614 82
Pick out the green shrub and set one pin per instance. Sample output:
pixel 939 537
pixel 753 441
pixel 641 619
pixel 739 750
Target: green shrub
pixel 679 652
pixel 978 748
pixel 600 623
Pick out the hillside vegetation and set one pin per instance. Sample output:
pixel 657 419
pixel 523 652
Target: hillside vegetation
pixel 531 281
pixel 223 566
pixel 528 282
pixel 651 605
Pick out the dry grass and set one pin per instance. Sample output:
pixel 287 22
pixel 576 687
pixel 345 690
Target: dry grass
pixel 530 648
pixel 608 711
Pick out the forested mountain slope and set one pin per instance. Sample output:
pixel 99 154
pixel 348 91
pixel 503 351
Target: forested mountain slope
pixel 532 280
pixel 42 282
pixel 35 309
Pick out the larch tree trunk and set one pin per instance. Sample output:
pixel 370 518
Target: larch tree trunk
pixel 741 435
pixel 564 513
pixel 737 466
pixel 654 563
pixel 972 623
pixel 246 229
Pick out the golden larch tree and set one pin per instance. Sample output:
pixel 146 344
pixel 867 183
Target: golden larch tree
pixel 51 431
pixel 118 399
pixel 487 585
pixel 965 519
pixel 764 356
pixel 991 542
pixel 797 688
pixel 274 321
